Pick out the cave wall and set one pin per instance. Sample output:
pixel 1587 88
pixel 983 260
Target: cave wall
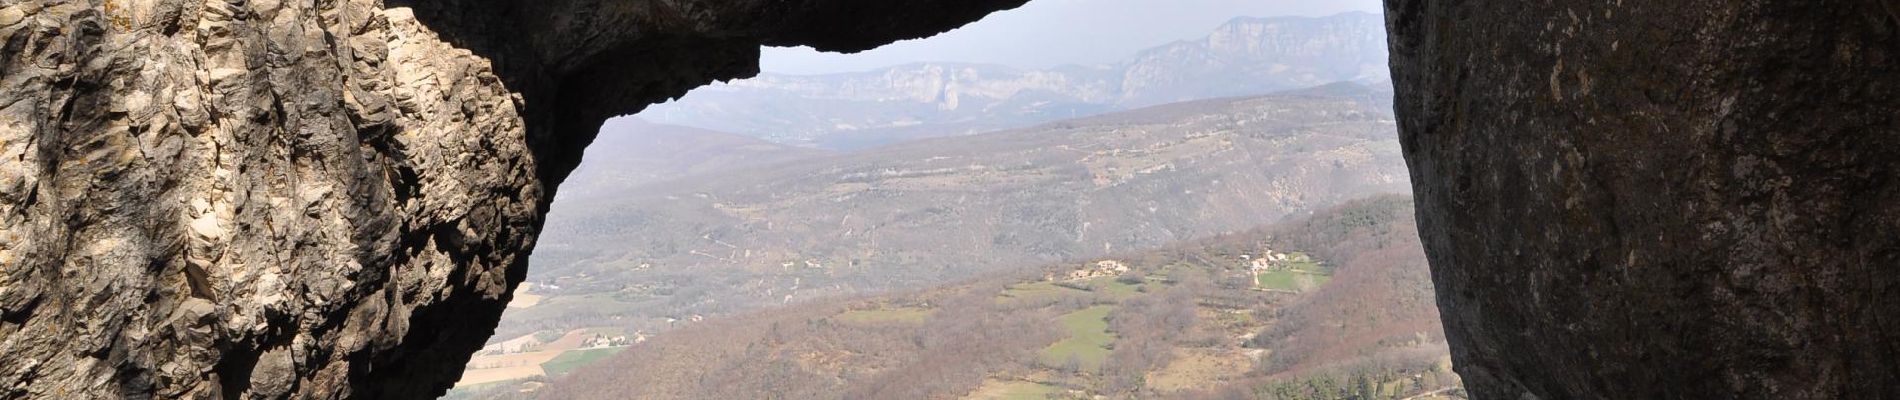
pixel 324 199
pixel 1658 199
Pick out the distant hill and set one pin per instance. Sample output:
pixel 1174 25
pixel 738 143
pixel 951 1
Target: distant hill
pixel 1246 56
pixel 926 212
pixel 1203 319
pixel 631 152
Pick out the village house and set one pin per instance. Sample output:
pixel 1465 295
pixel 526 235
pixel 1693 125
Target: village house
pixel 1103 268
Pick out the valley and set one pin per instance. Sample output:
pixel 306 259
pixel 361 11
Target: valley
pixel 911 215
pixel 852 190
pixel 745 225
pixel 1183 321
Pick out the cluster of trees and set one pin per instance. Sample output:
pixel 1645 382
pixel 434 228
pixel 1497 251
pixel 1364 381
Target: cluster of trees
pixel 1146 330
pixel 970 338
pixel 1373 332
pixel 1380 296
pixel 1359 384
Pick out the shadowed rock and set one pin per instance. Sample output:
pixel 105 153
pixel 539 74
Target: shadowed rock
pixel 1658 199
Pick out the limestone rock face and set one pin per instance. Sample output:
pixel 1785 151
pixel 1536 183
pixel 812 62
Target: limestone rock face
pixel 328 199
pixel 1659 199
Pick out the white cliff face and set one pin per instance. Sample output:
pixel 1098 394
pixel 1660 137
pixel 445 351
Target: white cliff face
pixel 1243 57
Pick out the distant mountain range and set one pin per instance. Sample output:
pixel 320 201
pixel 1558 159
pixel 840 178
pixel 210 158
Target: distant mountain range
pixel 936 210
pixel 1246 56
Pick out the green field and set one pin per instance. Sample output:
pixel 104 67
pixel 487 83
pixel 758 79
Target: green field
pixel 900 314
pixel 1045 291
pixel 575 359
pixel 466 389
pixel 1037 291
pixel 1017 390
pixel 1115 287
pixel 1295 281
pixel 1302 273
pixel 1298 261
pixel 1088 339
pixel 548 336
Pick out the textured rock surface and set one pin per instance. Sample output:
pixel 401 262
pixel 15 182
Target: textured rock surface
pixel 205 199
pixel 1659 199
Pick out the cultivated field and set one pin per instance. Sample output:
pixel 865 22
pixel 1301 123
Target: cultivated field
pixel 528 356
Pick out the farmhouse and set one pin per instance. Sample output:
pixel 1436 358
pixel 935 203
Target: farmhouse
pixel 1101 269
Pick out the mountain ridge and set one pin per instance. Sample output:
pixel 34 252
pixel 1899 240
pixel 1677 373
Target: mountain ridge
pixel 1245 56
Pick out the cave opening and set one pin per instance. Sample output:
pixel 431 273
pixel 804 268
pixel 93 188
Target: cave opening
pixel 1188 190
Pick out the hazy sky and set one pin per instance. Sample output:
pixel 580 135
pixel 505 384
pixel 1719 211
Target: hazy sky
pixel 1046 33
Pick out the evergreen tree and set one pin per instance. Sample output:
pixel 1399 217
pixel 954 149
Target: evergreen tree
pixel 1367 390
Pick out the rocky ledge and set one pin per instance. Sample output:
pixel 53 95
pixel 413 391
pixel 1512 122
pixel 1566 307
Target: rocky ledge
pixel 328 199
